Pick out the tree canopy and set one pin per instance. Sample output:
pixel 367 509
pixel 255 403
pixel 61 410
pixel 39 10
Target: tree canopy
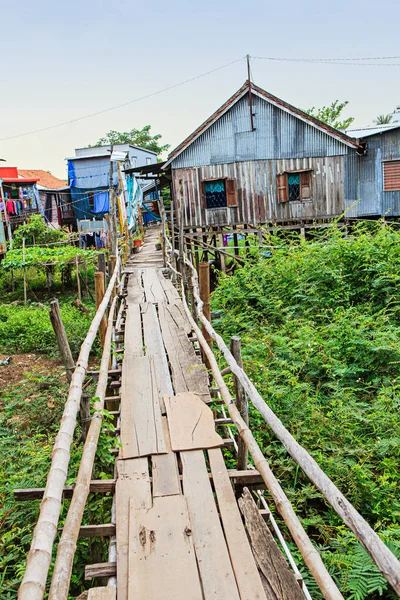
pixel 138 137
pixel 332 115
pixel 383 119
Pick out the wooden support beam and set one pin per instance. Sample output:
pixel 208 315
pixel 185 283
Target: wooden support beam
pixel 104 486
pixel 91 531
pixel 99 285
pixel 241 402
pixel 108 569
pixel 61 336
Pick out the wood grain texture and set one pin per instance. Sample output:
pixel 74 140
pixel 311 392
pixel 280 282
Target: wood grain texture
pixel 187 370
pixel 191 423
pixel 103 593
pixel 133 482
pixel 133 341
pixel 244 566
pixel 278 580
pixel 162 562
pixel 135 290
pixel 153 289
pixel 141 428
pixel 165 474
pixel 170 291
pixel 212 554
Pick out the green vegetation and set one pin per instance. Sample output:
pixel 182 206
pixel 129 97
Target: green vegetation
pixel 320 329
pixel 138 137
pixel 36 231
pixel 332 114
pixel 58 256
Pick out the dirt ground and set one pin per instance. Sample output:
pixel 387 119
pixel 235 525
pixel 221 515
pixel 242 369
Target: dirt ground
pixel 21 363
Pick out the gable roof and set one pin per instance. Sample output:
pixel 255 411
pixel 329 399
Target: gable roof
pixel 373 130
pixel 296 112
pixel 45 179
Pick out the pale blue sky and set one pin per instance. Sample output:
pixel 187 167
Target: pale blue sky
pixel 61 60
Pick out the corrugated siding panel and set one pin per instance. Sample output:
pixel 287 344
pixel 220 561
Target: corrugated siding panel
pixel 278 134
pixel 256 188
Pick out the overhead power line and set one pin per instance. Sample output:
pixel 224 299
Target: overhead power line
pixel 105 110
pixel 357 61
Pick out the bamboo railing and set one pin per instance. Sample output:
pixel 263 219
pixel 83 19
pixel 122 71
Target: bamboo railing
pixel 384 559
pixel 38 561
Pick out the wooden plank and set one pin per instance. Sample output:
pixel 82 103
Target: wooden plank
pixel 170 290
pixel 103 593
pixel 213 559
pixel 133 482
pixel 108 569
pixel 154 292
pixel 278 580
pixel 191 423
pixel 154 347
pixel 133 342
pixel 135 290
pixel 188 372
pixel 141 428
pixel 162 562
pixel 244 567
pixel 166 480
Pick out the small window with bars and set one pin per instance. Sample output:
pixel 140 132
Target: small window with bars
pixel 219 193
pixel 391 176
pixel 294 186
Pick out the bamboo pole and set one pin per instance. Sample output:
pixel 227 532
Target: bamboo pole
pixel 61 336
pixel 78 281
pixel 241 403
pixel 384 559
pixel 310 554
pixel 23 258
pixel 101 265
pixel 39 557
pixel 99 291
pixel 67 546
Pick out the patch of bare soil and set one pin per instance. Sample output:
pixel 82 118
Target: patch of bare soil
pixel 23 363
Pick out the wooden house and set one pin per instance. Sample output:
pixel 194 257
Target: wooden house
pixel 260 160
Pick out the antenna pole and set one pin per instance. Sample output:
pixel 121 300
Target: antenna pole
pixel 250 93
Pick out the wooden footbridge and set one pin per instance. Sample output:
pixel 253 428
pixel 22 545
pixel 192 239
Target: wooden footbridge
pixel 183 525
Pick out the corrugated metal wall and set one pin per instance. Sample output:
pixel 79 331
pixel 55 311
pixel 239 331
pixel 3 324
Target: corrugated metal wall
pixel 278 134
pixel 256 185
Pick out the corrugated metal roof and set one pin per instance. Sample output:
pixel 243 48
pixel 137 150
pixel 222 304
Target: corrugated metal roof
pixel 371 130
pixel 275 101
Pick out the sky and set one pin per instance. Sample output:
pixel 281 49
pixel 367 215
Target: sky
pixel 61 61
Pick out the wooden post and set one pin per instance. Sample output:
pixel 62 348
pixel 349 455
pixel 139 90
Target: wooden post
pixel 101 264
pixel 222 256
pixel 173 258
pixel 99 289
pixel 241 402
pixel 62 340
pixel 23 258
pixel 163 228
pixel 113 211
pixel 113 261
pixel 204 284
pixel 78 278
pixel 236 244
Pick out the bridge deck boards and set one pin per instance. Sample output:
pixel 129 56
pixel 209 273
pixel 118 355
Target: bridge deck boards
pixel 171 542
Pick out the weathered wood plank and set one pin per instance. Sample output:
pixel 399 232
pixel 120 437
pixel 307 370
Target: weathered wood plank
pixel 133 342
pixel 152 287
pixel 108 569
pixel 170 290
pixel 162 562
pixel 188 372
pixel 213 559
pixel 191 423
pixel 244 566
pixel 103 593
pixel 135 290
pixel 166 480
pixel 278 580
pixel 141 428
pixel 133 481
pixel 154 347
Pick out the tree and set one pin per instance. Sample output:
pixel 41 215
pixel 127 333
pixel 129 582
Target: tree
pixel 331 114
pixel 137 137
pixel 383 119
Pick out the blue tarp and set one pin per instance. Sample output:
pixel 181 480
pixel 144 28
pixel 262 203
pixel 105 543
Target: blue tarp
pixel 101 202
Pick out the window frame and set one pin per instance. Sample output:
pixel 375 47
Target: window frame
pixel 385 162
pixel 231 194
pixel 282 185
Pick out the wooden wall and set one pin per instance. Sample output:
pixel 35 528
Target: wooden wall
pixel 256 186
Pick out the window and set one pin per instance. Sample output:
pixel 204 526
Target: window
pixel 294 187
pixel 148 160
pixel 219 193
pixel 391 176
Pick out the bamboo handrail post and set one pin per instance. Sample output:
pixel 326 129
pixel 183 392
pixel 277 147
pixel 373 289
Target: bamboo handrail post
pixel 78 281
pixel 61 337
pixel 67 546
pixel 99 291
pixel 241 402
pixel 39 557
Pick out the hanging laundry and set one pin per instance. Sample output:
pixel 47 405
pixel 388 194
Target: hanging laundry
pixel 101 202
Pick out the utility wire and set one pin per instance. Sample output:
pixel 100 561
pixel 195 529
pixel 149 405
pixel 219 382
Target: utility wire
pixel 101 112
pixel 336 61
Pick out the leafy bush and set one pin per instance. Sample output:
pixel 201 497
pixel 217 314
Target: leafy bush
pixel 28 328
pixel 36 231
pixel 36 255
pixel 320 328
